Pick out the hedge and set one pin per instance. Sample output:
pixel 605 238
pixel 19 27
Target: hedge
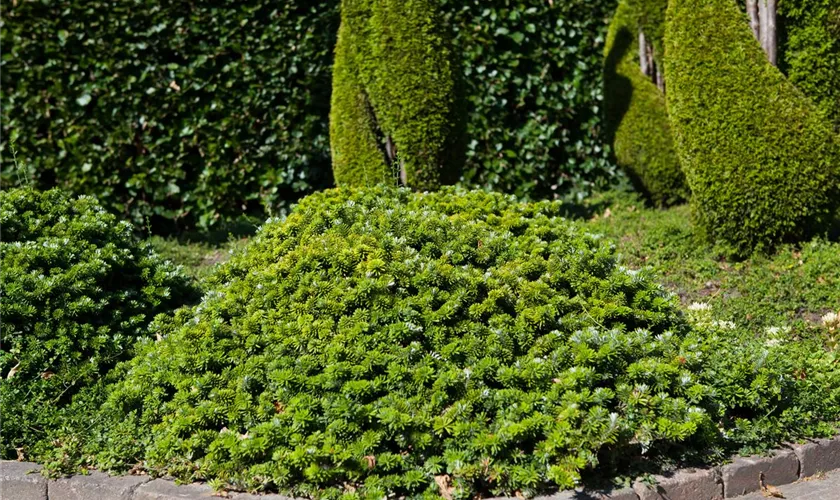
pixel 636 118
pixel 533 77
pixel 397 82
pixel 810 54
pixel 78 290
pixel 184 112
pixel 88 97
pixel 762 163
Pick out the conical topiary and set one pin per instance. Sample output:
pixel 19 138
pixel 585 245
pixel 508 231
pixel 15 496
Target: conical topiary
pixel 761 161
pixel 636 117
pixel 396 108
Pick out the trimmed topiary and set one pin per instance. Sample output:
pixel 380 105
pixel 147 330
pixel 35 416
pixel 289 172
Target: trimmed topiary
pixel 357 157
pixel 384 342
pixel 636 118
pixel 396 102
pixel 78 290
pixel 811 51
pixel 762 163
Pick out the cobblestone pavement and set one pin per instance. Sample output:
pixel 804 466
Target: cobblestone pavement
pixel 827 488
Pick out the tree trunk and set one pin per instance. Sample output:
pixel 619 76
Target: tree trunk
pixel 644 62
pixel 755 22
pixel 767 16
pixel 660 79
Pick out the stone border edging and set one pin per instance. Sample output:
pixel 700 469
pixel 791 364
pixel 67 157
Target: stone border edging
pixel 21 481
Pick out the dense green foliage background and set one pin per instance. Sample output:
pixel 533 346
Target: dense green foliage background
pixel 762 163
pixel 77 291
pixel 194 112
pixel 172 110
pixel 811 51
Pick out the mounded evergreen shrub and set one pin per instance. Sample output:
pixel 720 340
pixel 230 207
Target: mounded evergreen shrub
pixel 381 342
pixel 77 291
pixel 636 118
pixel 810 53
pixel 762 163
pixel 397 83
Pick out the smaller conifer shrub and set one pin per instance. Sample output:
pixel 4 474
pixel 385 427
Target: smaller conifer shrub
pixel 382 342
pixel 77 291
pixel 636 117
pixel 762 163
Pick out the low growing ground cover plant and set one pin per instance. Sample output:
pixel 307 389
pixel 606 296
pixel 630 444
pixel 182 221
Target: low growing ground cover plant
pixel 383 342
pixel 77 290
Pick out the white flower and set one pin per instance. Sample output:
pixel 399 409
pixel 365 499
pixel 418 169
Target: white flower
pixel 831 319
pixel 699 306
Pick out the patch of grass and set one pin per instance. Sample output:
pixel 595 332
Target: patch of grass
pixel 792 288
pixel 198 258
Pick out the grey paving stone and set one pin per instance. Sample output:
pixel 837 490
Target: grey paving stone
pixel 820 455
pixel 741 476
pixel 619 494
pixel 95 486
pixel 688 484
pixel 581 494
pixel 162 489
pixel 827 488
pixel 248 496
pixel 22 481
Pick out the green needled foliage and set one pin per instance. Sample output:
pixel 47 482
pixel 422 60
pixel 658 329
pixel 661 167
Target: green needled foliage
pixel 636 117
pixel 811 51
pixel 762 163
pixel 78 290
pixel 378 339
pixel 397 85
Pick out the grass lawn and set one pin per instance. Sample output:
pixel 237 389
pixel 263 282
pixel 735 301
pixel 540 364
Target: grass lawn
pixel 792 288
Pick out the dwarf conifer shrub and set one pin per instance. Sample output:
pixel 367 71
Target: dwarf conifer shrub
pixel 77 291
pixel 382 341
pixel 636 118
pixel 396 91
pixel 762 164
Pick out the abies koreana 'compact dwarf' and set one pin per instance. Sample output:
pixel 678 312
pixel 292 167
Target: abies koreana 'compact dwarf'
pixel 78 289
pixel 380 341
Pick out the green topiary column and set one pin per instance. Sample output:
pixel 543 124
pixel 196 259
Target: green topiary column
pixel 636 117
pixel 396 104
pixel 761 162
